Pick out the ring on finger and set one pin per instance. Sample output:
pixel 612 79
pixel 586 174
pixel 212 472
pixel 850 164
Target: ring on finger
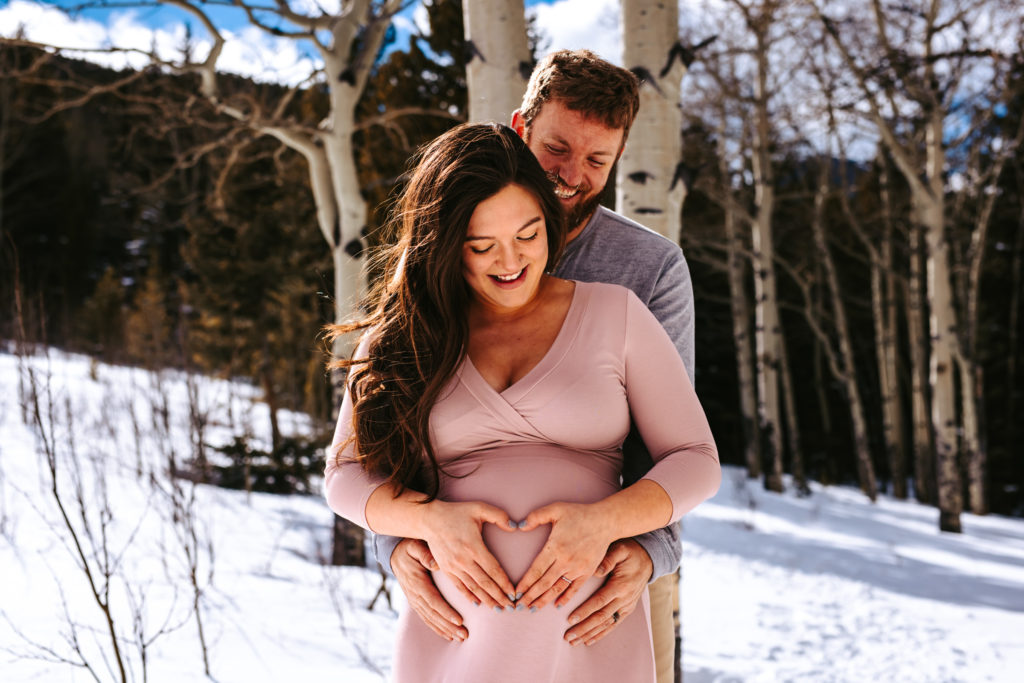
pixel 615 617
pixel 568 581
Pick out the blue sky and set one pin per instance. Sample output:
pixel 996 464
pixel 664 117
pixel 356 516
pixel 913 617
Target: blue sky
pixel 593 24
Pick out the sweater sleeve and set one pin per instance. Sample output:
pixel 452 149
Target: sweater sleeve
pixel 347 485
pixel 667 413
pixel 672 304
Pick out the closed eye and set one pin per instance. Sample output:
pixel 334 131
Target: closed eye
pixel 528 237
pixel 480 251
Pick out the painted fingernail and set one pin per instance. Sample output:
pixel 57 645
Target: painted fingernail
pixel 497 608
pixel 574 620
pixel 511 597
pixel 533 609
pixel 557 606
pixel 522 524
pixel 513 524
pixel 476 602
pixel 519 596
pixel 520 607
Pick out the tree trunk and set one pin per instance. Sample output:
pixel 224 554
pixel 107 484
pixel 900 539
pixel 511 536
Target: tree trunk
pixel 270 397
pixel 1014 320
pixel 820 383
pixel 766 311
pixel 648 188
pixel 942 327
pixel 971 372
pixel 736 267
pixel 499 63
pixel 744 355
pixel 796 461
pixel 971 380
pixel 883 297
pixel 347 544
pixel 847 373
pixel 924 453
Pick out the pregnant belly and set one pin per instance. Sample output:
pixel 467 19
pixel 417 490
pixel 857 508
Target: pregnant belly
pixel 521 478
pixel 522 645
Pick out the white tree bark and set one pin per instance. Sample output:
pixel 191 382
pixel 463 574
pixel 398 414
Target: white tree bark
pixel 929 205
pixel 648 188
pixel 767 326
pixel 736 268
pixel 499 61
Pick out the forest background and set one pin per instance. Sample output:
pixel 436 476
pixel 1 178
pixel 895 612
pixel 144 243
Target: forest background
pixel 142 225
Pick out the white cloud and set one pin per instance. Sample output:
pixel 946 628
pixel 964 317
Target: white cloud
pixel 247 52
pixel 314 7
pixel 573 24
pixel 42 22
pixel 420 19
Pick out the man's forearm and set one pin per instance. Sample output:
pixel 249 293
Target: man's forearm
pixel 664 548
pixel 662 545
pixel 384 548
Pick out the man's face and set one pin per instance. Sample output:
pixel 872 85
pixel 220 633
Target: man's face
pixel 577 152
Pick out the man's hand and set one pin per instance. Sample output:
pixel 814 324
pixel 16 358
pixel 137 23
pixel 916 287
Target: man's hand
pixel 628 567
pixel 411 564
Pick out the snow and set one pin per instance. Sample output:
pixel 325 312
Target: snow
pixel 777 587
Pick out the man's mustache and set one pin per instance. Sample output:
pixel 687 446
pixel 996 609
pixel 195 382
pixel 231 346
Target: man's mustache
pixel 558 182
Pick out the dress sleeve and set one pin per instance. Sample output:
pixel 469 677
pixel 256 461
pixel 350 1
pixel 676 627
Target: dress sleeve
pixel 667 413
pixel 347 485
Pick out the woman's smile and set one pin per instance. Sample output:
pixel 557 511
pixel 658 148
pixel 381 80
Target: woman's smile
pixel 512 280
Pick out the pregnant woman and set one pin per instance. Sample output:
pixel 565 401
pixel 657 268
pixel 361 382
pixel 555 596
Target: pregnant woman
pixel 486 407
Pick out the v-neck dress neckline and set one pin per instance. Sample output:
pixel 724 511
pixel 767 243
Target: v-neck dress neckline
pixel 548 362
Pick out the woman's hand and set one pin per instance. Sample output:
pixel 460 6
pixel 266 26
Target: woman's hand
pixel 454 533
pixel 576 546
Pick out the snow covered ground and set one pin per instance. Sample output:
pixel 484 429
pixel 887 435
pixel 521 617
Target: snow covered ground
pixel 776 588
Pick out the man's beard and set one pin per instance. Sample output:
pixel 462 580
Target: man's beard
pixel 581 211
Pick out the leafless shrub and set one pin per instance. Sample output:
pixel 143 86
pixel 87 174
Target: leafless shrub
pixel 78 490
pixel 341 601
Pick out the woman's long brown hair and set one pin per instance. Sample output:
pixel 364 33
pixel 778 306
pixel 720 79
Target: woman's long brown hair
pixel 418 326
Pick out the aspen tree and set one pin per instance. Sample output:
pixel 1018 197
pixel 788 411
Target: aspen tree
pixel 498 58
pixel 649 188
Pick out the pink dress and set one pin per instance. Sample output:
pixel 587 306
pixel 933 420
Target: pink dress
pixel 554 435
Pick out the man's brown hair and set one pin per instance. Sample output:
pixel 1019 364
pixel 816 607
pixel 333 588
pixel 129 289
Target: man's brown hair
pixel 584 83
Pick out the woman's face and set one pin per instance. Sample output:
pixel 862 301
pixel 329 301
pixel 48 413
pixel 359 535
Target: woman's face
pixel 506 249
